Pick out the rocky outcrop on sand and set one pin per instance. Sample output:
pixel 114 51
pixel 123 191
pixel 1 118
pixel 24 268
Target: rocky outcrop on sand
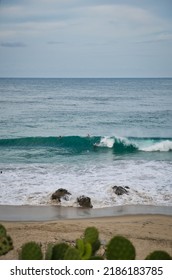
pixel 119 190
pixel 60 193
pixel 84 201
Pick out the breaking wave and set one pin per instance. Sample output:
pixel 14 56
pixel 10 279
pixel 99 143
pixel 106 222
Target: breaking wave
pixel 78 144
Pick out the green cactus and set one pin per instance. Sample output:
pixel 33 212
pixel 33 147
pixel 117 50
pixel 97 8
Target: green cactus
pixel 120 248
pixel 2 230
pixel 80 245
pixel 10 242
pixel 158 255
pixel 96 246
pixel 72 254
pixel 3 245
pixel 85 249
pixel 96 258
pixel 6 243
pixel 88 252
pixel 59 250
pixel 31 251
pixel 91 235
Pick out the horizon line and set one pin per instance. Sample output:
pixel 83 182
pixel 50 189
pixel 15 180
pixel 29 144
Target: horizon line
pixel 41 77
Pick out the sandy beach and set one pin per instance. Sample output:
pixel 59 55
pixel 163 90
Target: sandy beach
pixel 148 232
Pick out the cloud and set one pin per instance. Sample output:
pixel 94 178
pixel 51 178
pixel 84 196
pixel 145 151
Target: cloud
pixel 13 44
pixel 159 37
pixel 88 34
pixel 89 20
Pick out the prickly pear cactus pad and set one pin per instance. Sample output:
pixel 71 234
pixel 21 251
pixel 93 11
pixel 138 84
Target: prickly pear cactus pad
pixel 120 248
pixel 96 246
pixel 91 235
pixel 72 254
pixel 2 231
pixel 87 252
pixel 6 243
pixel 59 250
pixel 98 258
pixel 31 251
pixel 80 246
pixel 84 249
pixel 158 255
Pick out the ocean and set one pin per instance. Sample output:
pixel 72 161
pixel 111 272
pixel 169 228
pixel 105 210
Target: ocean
pixel 86 135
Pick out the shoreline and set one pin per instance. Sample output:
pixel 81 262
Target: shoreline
pixel 32 213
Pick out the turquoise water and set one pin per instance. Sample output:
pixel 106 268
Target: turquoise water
pixel 86 135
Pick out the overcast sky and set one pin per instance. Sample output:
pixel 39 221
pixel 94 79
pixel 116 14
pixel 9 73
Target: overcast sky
pixel 85 38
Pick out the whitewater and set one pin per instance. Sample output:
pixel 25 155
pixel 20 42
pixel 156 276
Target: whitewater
pixel 86 135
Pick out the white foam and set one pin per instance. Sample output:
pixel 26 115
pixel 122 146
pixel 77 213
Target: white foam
pixel 149 182
pixel 106 142
pixel 164 146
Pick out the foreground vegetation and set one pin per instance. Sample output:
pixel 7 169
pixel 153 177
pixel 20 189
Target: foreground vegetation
pixel 85 248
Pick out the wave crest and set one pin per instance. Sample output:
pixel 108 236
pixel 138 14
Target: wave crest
pixel 164 146
pixel 78 144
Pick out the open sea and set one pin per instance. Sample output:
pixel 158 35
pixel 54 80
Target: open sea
pixel 86 135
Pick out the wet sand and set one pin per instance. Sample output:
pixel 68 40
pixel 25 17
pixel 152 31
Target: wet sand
pixel 53 213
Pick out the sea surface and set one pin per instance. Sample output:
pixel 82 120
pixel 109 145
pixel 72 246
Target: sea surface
pixel 86 135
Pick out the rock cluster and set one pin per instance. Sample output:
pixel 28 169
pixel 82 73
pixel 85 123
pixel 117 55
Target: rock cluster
pixel 83 201
pixel 60 193
pixel 119 190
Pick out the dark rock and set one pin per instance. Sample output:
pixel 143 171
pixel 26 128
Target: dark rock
pixel 60 193
pixel 120 190
pixel 84 201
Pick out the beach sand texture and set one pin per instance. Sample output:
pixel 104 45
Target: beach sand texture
pixel 146 232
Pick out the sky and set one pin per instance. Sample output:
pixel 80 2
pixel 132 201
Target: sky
pixel 85 38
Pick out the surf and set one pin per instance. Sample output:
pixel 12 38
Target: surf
pixel 162 146
pixel 79 144
pixel 152 144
